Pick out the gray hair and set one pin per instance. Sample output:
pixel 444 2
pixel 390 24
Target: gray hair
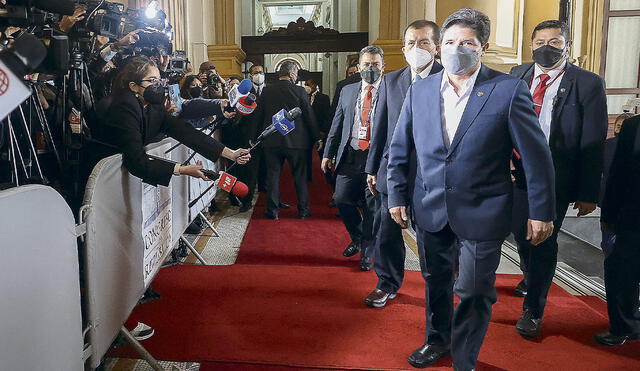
pixel 371 49
pixel 469 18
pixel 286 68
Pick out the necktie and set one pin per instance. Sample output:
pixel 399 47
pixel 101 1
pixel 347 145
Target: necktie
pixel 365 112
pixel 538 93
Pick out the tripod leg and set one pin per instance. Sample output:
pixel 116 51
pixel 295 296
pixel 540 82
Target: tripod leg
pixel 46 129
pixel 16 146
pixel 25 127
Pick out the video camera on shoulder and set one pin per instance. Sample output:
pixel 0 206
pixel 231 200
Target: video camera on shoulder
pixel 26 13
pixel 156 35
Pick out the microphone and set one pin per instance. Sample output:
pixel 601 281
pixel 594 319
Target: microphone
pixel 239 91
pixel 246 105
pixel 226 182
pixel 282 122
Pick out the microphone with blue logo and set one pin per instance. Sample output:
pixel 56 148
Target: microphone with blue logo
pixel 283 122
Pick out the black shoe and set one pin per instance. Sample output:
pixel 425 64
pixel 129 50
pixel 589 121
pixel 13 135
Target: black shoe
pixel 195 227
pixel 213 207
pixel 234 200
pixel 332 204
pixel 306 214
pixel 283 205
pixel 246 206
pixel 459 369
pixel 149 295
pixel 427 355
pixel 351 250
pixel 271 216
pixel 520 290
pixel 378 298
pixel 609 339
pixel 528 326
pixel 366 263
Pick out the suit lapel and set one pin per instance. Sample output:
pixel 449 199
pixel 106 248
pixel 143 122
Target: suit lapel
pixel 479 96
pixel 351 105
pixel 404 81
pixel 563 91
pixel 432 107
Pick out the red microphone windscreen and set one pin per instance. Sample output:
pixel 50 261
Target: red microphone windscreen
pixel 240 189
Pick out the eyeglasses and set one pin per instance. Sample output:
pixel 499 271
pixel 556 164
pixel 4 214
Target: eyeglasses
pixel 153 80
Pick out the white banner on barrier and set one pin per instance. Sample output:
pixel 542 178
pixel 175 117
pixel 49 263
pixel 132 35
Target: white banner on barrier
pixel 197 186
pixel 156 226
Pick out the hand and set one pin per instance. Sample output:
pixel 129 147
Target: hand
pixel 241 156
pixel 194 171
pixel 371 183
pixel 318 146
pixel 399 215
pixel 68 21
pixel 130 38
pixel 327 164
pixel 584 208
pixel 538 231
pixel 170 108
pixel 252 143
pixel 164 63
pixel 228 115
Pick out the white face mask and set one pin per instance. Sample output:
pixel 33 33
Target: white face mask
pixel 258 79
pixel 459 60
pixel 418 58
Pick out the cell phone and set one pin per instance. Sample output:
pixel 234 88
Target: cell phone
pixel 175 98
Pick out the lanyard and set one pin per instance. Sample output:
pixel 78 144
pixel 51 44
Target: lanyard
pixel 552 81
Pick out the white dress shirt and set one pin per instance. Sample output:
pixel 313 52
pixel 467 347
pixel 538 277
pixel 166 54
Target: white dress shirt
pixel 452 105
pixel 424 74
pixel 549 95
pixel 356 120
pixel 312 97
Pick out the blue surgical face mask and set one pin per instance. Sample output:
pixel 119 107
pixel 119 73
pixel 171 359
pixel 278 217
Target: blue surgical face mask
pixel 459 60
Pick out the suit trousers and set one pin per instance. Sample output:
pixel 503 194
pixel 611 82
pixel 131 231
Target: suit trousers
pixel 390 251
pixel 622 280
pixel 352 195
pixel 248 173
pixel 297 159
pixel 464 328
pixel 538 263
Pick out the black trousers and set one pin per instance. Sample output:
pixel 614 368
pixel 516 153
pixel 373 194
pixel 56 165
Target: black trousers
pixel 355 203
pixel 248 173
pixel 390 251
pixel 297 159
pixel 464 328
pixel 538 263
pixel 622 283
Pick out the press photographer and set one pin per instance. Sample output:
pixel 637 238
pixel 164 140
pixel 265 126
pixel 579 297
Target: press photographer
pixel 213 84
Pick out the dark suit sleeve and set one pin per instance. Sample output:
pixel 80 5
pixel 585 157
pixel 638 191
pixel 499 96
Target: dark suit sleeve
pixel 620 168
pixel 308 116
pixel 335 133
pixel 400 149
pixel 324 108
pixel 186 134
pixel 530 142
pixel 380 127
pixel 125 130
pixel 594 132
pixel 256 124
pixel 193 109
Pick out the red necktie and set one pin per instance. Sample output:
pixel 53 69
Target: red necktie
pixel 538 93
pixel 365 112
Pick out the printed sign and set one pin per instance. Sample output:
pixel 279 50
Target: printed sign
pixel 226 182
pixel 12 91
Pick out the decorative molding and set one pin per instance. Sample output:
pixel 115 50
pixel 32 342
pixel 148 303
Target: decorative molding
pixel 227 58
pixel 301 28
pixel 393 55
pixel 511 55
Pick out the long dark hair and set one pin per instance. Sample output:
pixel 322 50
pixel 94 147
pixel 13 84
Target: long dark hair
pixel 186 83
pixel 134 70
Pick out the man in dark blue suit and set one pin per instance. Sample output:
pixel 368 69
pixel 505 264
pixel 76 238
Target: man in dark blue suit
pixel 421 39
pixel 571 106
pixel 347 149
pixel 463 124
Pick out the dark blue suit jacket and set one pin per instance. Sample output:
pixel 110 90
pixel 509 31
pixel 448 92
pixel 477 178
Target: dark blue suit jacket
pixel 340 133
pixel 469 185
pixel 578 132
pixel 393 90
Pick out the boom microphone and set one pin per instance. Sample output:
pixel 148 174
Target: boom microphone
pixel 282 122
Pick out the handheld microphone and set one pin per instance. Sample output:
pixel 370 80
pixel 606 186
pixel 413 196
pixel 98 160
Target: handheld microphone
pixel 239 91
pixel 246 105
pixel 282 122
pixel 226 182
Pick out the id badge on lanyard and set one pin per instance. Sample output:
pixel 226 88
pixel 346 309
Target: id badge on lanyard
pixel 363 132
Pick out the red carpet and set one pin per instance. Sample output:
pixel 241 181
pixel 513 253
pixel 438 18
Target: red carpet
pixel 314 317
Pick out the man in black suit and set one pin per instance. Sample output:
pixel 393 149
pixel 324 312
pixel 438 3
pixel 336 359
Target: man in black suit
pixel 572 110
pixel 284 94
pixel 352 76
pixel 421 39
pixel 321 106
pixel 346 151
pixel 621 216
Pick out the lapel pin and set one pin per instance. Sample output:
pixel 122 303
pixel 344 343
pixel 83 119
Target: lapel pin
pixel 562 90
pixel 480 93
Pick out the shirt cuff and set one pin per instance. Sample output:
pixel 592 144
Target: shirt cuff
pixel 176 170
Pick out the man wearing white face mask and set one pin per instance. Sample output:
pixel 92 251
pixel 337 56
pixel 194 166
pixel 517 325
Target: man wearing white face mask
pixel 463 124
pixel 421 39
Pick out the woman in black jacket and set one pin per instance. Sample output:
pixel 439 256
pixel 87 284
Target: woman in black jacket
pixel 138 117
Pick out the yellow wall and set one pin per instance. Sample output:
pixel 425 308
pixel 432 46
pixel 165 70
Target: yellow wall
pixel 536 11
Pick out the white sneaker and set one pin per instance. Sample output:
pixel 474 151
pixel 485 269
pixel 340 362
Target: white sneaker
pixel 142 332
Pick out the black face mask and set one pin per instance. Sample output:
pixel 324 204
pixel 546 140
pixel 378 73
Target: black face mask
pixel 547 56
pixel 371 74
pixel 154 94
pixel 195 92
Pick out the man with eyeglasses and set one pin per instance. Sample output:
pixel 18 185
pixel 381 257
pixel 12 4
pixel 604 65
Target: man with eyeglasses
pixel 421 39
pixel 346 153
pixel 572 111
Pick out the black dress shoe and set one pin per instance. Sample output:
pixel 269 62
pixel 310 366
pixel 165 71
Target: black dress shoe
pixel 234 200
pixel 351 250
pixel 332 204
pixel 378 298
pixel 366 263
pixel 306 214
pixel 528 326
pixel 271 216
pixel 460 369
pixel 520 290
pixel 427 355
pixel 609 339
pixel 246 206
pixel 283 205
